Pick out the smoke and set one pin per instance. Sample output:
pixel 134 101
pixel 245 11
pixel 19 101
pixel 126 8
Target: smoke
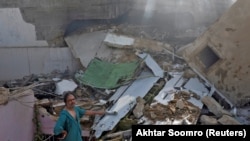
pixel 149 9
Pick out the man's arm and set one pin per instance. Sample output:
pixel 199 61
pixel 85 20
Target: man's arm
pixel 91 112
pixel 59 130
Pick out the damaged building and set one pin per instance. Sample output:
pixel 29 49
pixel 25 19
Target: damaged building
pixel 220 55
pixel 147 62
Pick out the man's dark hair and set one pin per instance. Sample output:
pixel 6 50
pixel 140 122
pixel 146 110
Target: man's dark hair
pixel 66 96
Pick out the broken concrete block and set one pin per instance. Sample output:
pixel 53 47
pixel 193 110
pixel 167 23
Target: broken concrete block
pixel 120 133
pixel 46 121
pixel 138 110
pixel 153 115
pixel 57 107
pixel 118 40
pixel 43 112
pixel 208 120
pixel 4 95
pixel 188 73
pixel 79 92
pixel 43 102
pixel 214 107
pixel 180 104
pixel 126 124
pixel 228 120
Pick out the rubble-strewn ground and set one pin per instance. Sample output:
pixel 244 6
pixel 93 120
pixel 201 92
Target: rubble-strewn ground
pixel 153 112
pixel 177 109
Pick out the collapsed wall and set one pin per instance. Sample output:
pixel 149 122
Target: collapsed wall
pixel 51 17
pixel 179 21
pixel 172 21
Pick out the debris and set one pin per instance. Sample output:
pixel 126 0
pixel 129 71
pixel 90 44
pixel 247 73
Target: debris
pixel 214 106
pixel 4 95
pixel 126 124
pixel 78 92
pixel 107 75
pixel 133 93
pixel 124 134
pixel 242 114
pixel 125 102
pixel 17 115
pixel 57 107
pixel 171 113
pixel 119 41
pixel 44 102
pixel 180 104
pixel 138 110
pixel 195 85
pixel 228 120
pixel 151 64
pixel 208 120
pixel 64 86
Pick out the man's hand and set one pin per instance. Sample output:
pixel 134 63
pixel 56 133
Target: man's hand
pixel 64 134
pixel 111 113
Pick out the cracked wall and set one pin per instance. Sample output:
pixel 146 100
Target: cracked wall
pixel 227 62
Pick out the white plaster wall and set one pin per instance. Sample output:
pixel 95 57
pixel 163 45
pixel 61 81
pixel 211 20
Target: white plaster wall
pixel 16 63
pixel 14 31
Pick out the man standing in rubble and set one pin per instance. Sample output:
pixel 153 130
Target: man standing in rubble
pixel 68 127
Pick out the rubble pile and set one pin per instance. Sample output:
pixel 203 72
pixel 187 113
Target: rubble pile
pixel 176 110
pixel 160 89
pixel 179 108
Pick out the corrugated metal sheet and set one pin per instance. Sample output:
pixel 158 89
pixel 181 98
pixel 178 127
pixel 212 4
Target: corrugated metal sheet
pixel 152 64
pixel 166 93
pixel 194 85
pixel 172 89
pixel 125 102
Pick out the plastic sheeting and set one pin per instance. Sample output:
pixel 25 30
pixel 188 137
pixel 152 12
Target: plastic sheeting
pixel 107 75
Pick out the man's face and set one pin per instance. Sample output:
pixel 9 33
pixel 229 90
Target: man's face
pixel 70 102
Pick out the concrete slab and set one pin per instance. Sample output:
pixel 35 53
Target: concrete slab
pixel 87 46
